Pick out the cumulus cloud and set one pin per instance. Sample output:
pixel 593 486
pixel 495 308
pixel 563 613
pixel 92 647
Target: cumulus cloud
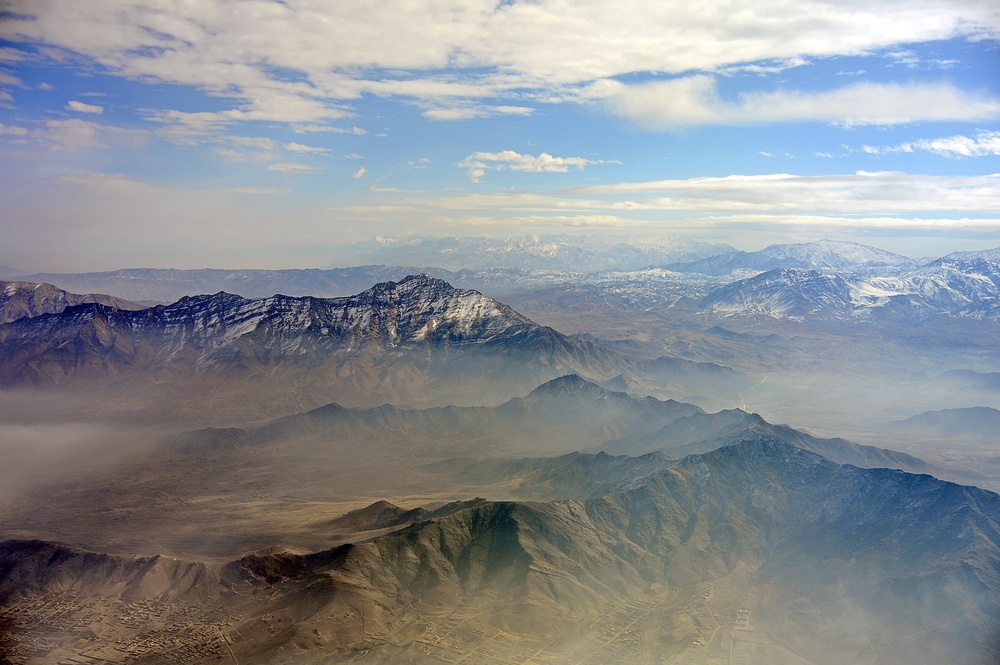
pixel 983 144
pixel 359 173
pixel 479 162
pixel 81 107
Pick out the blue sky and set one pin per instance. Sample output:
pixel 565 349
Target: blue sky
pixel 254 133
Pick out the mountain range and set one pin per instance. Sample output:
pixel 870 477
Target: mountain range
pixel 420 473
pixel 580 253
pixel 409 330
pixel 759 549
pixel 968 289
pixel 823 254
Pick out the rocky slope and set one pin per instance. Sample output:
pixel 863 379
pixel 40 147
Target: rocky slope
pixel 830 564
pixel 27 299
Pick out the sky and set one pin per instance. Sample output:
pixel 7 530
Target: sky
pixel 258 133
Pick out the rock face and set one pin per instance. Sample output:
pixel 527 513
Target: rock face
pixel 27 299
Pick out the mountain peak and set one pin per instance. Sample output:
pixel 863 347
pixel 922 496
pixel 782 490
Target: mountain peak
pixel 569 384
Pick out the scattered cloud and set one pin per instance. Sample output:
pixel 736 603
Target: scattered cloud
pixel 282 62
pixel 81 107
pixel 359 173
pixel 478 163
pixel 46 86
pixel 983 144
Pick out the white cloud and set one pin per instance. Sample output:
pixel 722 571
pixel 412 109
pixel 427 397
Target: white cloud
pixel 359 173
pixel 983 144
pixel 76 134
pixel 9 130
pixel 256 191
pixel 469 111
pixel 298 147
pixel 695 100
pixel 478 163
pixel 305 63
pixel 291 168
pixel 80 107
pixel 46 86
pixel 859 193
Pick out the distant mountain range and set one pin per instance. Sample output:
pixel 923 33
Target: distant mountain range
pixel 968 289
pixel 559 252
pixel 823 254
pixel 975 420
pixel 567 414
pixel 825 279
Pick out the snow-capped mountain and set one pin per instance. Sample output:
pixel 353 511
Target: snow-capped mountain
pixel 784 293
pixel 946 287
pixel 824 254
pixel 227 333
pixel 988 254
pixel 558 252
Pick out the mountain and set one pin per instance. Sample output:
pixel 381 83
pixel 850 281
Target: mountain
pixel 25 299
pixel 571 476
pixel 562 415
pixel 948 289
pixel 788 293
pixel 976 420
pixel 988 254
pixel 155 285
pixel 389 343
pixel 559 252
pixel 967 288
pixel 704 432
pixel 823 254
pixel 759 551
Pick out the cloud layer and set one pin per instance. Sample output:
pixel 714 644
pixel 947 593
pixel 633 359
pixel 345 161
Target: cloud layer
pixel 306 61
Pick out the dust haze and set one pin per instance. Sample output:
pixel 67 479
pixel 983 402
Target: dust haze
pixel 549 469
